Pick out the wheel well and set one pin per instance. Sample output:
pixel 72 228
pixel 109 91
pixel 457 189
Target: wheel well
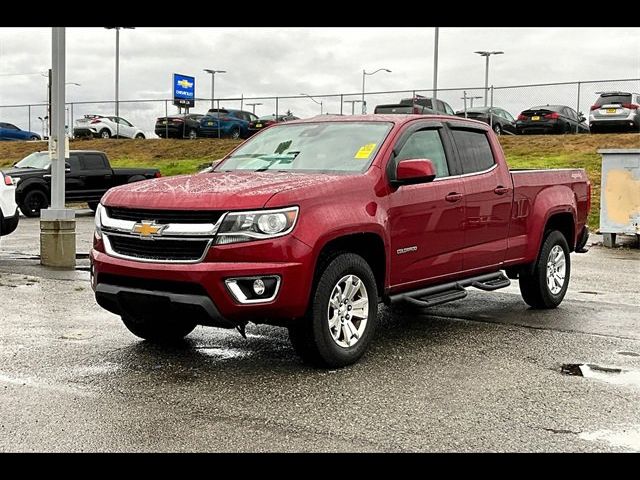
pixel 368 245
pixel 29 188
pixel 563 222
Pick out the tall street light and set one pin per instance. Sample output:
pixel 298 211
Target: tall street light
pixel 364 73
pixel 254 106
pixel 213 81
pixel 486 72
pixel 318 102
pixel 435 63
pixel 117 29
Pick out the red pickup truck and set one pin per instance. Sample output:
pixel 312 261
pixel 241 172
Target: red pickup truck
pixel 311 224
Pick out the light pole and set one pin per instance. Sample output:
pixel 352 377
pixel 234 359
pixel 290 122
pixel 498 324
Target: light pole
pixel 353 104
pixel 70 132
pixel 213 81
pixel 486 72
pixel 253 105
pixel 465 97
pixel 435 63
pixel 364 73
pixel 117 29
pixel 318 102
pixel 213 91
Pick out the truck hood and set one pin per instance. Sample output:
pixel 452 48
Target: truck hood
pixel 23 172
pixel 213 191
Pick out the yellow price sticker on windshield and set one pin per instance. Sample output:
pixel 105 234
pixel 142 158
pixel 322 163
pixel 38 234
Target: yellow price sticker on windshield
pixel 365 151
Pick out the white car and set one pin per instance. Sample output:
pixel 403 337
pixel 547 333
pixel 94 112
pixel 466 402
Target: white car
pixel 9 216
pixel 105 127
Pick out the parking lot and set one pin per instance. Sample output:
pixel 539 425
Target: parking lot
pixel 482 374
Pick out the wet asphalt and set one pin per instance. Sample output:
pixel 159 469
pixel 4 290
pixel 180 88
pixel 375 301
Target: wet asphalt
pixel 481 374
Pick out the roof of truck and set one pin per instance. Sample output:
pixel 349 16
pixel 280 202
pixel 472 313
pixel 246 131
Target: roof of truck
pixel 397 119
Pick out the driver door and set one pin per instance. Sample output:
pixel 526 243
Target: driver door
pixel 426 220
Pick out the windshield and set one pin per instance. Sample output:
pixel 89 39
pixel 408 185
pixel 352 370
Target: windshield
pixel 323 147
pixel 35 160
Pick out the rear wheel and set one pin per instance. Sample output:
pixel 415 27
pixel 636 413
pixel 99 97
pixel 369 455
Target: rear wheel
pixel 235 133
pixel 497 128
pixel 342 316
pixel 193 134
pixel 140 136
pixel 33 137
pixel 547 285
pixel 33 202
pixel 158 330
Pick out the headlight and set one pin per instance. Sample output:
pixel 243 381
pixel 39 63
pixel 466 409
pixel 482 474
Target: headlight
pixel 98 220
pixel 258 225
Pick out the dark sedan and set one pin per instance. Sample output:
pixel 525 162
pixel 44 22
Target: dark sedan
pixel 263 122
pixel 551 119
pixel 179 126
pixel 500 120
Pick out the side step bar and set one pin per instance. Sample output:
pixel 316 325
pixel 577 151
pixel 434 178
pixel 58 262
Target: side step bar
pixel 447 292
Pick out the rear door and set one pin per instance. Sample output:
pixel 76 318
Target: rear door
pixel 126 129
pixel 488 193
pixel 426 220
pixel 97 174
pixel 74 180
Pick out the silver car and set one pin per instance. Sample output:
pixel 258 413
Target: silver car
pixel 618 111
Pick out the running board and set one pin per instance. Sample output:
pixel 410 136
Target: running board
pixel 448 292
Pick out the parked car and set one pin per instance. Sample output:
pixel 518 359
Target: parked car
pixel 88 176
pixel 311 223
pixel 106 127
pixel 179 126
pixel 262 122
pixel 232 123
pixel 8 131
pixel 501 120
pixel 551 119
pixel 615 111
pixel 417 104
pixel 9 216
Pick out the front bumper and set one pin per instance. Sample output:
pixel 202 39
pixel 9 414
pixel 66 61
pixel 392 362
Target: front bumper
pixel 199 290
pixel 9 224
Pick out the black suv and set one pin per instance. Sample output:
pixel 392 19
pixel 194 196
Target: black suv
pixel 417 104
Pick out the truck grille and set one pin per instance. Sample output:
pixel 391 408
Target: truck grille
pixel 159 249
pixel 164 216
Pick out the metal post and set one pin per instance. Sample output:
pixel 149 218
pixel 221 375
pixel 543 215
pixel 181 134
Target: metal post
pixel 435 64
pixel 276 109
pixel 364 105
pixel 166 118
pixel 341 102
pixel 486 81
pixel 464 97
pixel 29 117
pixel 49 105
pixel 117 80
pixel 218 116
pixel 71 135
pixel 241 101
pixel 578 109
pixel 491 108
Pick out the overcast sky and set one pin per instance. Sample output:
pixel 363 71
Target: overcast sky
pixel 285 61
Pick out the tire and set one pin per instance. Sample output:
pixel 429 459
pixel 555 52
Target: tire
pixel 140 136
pixel 235 133
pixel 313 337
pixel 33 137
pixel 534 287
pixel 34 201
pixel 193 134
pixel 159 330
pixel 93 206
pixel 497 128
pixel 104 133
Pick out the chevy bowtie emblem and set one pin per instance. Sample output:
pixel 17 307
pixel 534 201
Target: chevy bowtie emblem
pixel 148 229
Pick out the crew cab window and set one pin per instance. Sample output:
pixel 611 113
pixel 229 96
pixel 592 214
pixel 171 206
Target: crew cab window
pixel 426 144
pixel 474 150
pixel 74 163
pixel 93 161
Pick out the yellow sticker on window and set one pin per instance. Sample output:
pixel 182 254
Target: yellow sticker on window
pixel 365 151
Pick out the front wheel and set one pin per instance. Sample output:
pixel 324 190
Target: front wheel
pixel 235 133
pixel 105 133
pixel 342 316
pixel 33 137
pixel 140 136
pixel 33 202
pixel 497 128
pixel 193 134
pixel 158 330
pixel 547 285
pixel 93 206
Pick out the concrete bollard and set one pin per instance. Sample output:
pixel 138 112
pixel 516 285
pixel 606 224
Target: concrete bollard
pixel 58 243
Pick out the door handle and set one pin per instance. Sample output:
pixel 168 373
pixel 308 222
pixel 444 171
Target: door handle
pixel 453 197
pixel 500 190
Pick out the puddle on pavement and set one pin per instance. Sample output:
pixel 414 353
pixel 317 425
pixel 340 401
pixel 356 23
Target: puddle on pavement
pixel 221 353
pixel 613 375
pixel 629 354
pixel 626 437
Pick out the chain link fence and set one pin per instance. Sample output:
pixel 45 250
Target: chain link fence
pixel 143 113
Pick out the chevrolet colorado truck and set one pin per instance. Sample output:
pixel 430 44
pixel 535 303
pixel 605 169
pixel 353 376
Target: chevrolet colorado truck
pixel 88 176
pixel 310 224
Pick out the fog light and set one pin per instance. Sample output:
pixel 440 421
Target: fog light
pixel 258 287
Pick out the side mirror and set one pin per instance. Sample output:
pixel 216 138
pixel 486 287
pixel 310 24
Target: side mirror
pixel 67 167
pixel 412 171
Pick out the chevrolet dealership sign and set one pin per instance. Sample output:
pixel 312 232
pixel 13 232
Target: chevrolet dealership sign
pixel 184 90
